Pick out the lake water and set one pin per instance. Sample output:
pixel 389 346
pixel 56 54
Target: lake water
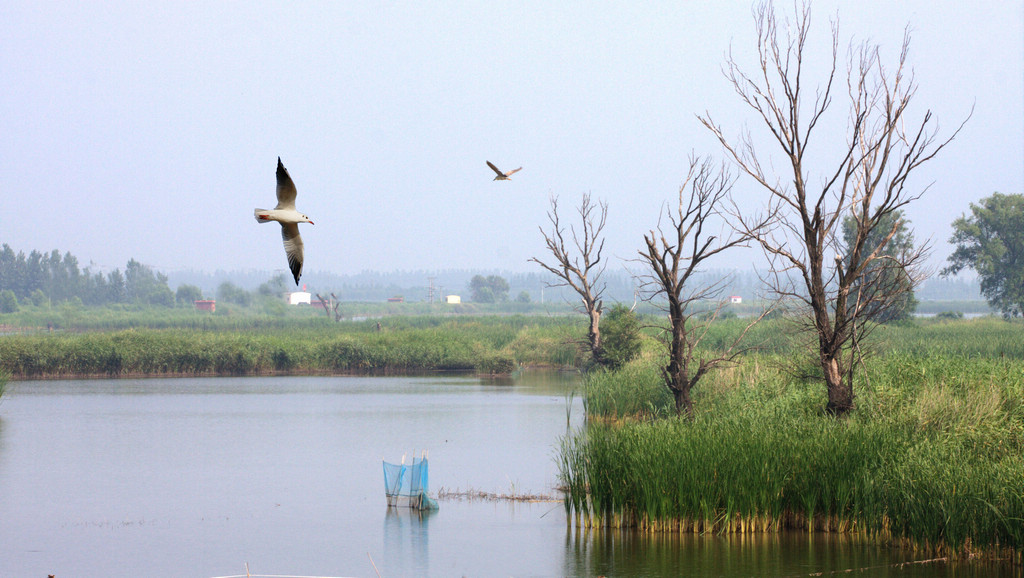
pixel 199 477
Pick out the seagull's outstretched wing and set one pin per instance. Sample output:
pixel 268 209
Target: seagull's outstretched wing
pixel 509 174
pixel 285 190
pixel 495 169
pixel 293 248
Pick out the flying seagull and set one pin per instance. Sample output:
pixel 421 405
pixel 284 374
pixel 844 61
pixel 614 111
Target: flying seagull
pixel 502 176
pixel 289 218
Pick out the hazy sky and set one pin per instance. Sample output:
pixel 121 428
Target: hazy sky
pixel 151 130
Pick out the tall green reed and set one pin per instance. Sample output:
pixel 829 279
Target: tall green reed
pixel 931 456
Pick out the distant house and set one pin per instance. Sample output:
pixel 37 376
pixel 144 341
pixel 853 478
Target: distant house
pixel 206 305
pixel 452 299
pixel 396 299
pixel 736 299
pixel 298 297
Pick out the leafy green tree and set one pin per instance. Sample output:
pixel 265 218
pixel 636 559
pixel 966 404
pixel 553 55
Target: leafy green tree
pixel 523 297
pixel 231 293
pixel 620 337
pixel 63 280
pixel 57 279
pixel 991 241
pixel 145 286
pixel 490 289
pixel 8 301
pixel 187 295
pixel 483 295
pixel 886 289
pixel 38 298
pixel 96 288
pixel 35 274
pixel 275 287
pixel 116 291
pixel 9 269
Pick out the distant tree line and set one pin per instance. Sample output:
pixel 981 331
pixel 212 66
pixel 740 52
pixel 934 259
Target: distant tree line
pixel 621 284
pixel 38 278
pixel 268 292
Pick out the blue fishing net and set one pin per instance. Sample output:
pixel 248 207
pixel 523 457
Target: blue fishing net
pixel 407 484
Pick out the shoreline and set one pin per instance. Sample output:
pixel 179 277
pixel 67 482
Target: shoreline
pixel 11 378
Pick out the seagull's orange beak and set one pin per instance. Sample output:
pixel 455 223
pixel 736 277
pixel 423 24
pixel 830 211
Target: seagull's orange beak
pixel 312 223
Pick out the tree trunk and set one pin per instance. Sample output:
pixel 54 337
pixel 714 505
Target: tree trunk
pixel 684 405
pixel 678 382
pixel 594 333
pixel 677 374
pixel 840 392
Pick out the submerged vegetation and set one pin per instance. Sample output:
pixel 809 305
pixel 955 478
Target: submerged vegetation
pixel 931 457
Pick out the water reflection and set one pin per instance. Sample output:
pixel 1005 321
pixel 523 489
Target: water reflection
pixel 196 477
pixel 627 553
pixel 540 381
pixel 407 540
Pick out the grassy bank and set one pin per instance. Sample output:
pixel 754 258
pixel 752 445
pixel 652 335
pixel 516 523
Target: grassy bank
pixel 262 314
pixel 932 456
pixel 488 344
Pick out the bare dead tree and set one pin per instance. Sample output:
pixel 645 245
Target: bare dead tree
pixel 673 254
pixel 577 261
pixel 330 307
pixel 867 180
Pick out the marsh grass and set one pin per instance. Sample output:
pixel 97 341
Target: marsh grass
pixel 931 458
pixel 264 312
pixel 486 344
pixel 634 391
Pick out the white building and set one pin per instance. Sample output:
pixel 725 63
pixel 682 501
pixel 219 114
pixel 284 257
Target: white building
pixel 735 299
pixel 452 299
pixel 297 297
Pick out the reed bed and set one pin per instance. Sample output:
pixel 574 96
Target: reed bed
pixel 488 344
pixel 263 313
pixel 932 457
pixel 635 391
pixel 984 337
